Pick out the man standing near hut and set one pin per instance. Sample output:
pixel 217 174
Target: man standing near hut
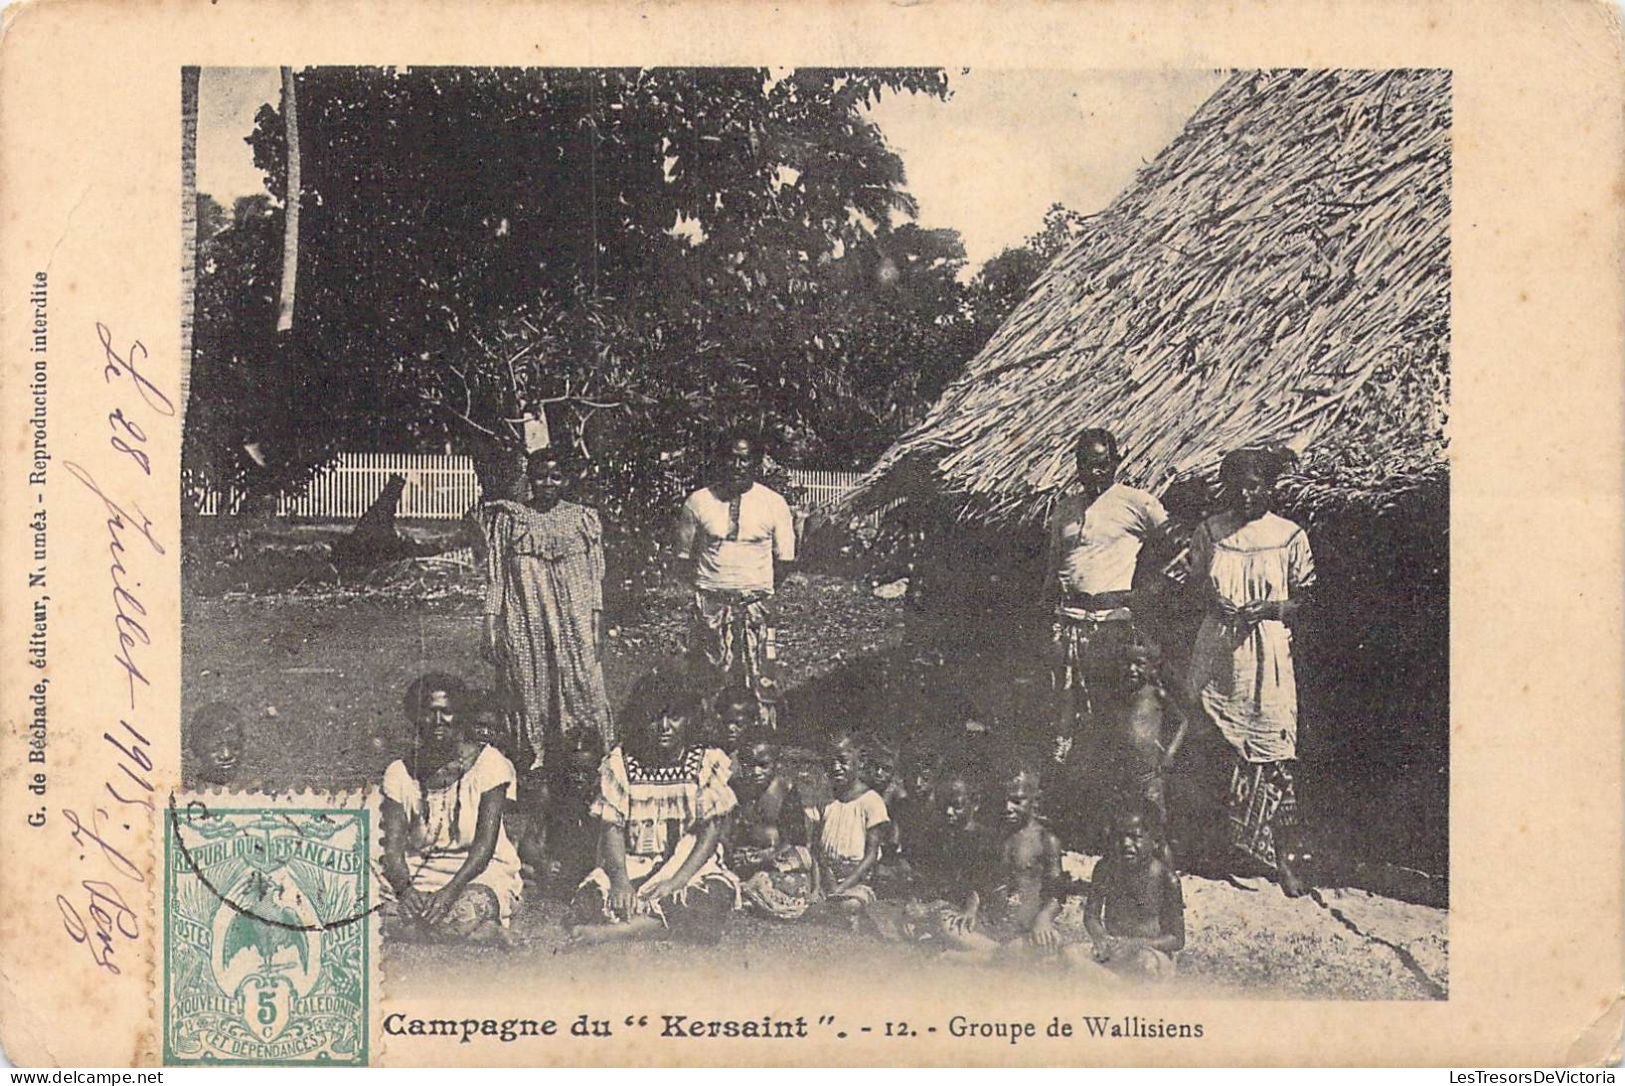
pixel 1095 538
pixel 735 529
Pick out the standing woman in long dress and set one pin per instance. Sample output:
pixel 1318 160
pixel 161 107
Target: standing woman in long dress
pixel 544 628
pixel 1252 570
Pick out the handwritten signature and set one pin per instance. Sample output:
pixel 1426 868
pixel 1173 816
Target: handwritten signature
pixel 128 610
pixel 110 915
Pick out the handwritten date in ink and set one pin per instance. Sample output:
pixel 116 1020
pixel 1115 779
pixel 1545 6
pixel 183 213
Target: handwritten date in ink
pixel 96 915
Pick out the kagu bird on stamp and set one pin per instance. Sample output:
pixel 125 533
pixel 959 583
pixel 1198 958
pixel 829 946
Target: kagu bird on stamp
pixel 266 948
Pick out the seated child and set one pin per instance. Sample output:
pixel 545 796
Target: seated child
pixel 1135 913
pixel 954 860
pixel 572 833
pixel 922 766
pixel 1016 917
pixel 851 830
pixel 881 772
pixel 769 816
pixel 487 722
pixel 766 841
pixel 736 712
pixel 214 740
pixel 915 808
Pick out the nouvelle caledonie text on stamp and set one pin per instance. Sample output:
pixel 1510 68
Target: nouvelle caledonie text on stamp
pixel 266 939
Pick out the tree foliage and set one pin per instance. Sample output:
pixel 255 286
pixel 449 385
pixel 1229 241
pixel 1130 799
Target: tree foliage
pixel 211 217
pixel 1006 279
pixel 642 255
pixel 1061 227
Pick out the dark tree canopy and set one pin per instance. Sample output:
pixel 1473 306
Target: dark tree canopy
pixel 686 246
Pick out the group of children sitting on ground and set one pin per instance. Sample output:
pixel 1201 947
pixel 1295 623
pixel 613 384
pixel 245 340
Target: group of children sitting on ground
pixel 698 811
pixel 942 850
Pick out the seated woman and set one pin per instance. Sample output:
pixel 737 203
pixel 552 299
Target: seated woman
pixel 662 802
pixel 448 863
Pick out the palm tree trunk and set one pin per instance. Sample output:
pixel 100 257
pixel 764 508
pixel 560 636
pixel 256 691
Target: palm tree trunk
pixel 189 87
pixel 290 235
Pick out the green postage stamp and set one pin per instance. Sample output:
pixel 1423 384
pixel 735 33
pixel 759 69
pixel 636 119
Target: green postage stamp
pixel 267 933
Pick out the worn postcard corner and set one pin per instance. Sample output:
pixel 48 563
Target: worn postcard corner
pixel 1599 1044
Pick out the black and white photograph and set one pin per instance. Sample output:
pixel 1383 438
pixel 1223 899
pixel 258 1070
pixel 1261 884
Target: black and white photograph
pixel 908 525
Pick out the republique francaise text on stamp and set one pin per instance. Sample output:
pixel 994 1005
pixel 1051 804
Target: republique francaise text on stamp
pixel 266 936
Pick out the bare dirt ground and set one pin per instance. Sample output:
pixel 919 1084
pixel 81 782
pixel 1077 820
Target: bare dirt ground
pixel 1245 940
pixel 320 672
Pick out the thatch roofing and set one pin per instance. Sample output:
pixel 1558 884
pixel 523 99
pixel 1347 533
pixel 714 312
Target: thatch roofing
pixel 1278 274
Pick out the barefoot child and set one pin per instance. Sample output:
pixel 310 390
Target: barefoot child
pixel 892 871
pixel 882 773
pixel 769 816
pixel 1135 913
pixel 487 723
pixel 913 802
pixel 955 860
pixel 766 841
pixel 1138 744
pixel 572 832
pixel 852 829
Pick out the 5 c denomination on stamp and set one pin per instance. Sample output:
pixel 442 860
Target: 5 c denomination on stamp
pixel 267 927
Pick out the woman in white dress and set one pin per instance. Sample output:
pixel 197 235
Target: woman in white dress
pixel 1252 571
pixel 447 862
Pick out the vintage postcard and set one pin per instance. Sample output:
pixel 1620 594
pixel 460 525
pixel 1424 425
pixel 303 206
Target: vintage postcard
pixel 842 533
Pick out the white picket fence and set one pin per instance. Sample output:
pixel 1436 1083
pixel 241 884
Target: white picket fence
pixel 440 487
pixel 822 489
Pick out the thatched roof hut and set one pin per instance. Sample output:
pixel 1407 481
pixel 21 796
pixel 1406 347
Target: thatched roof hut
pixel 1278 274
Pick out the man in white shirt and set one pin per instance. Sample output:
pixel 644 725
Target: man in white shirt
pixel 1095 538
pixel 734 530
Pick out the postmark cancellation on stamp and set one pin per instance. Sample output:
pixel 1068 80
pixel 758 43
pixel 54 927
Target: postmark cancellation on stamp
pixel 267 931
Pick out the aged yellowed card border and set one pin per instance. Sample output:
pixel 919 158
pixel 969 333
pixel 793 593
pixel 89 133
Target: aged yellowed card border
pixel 89 194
